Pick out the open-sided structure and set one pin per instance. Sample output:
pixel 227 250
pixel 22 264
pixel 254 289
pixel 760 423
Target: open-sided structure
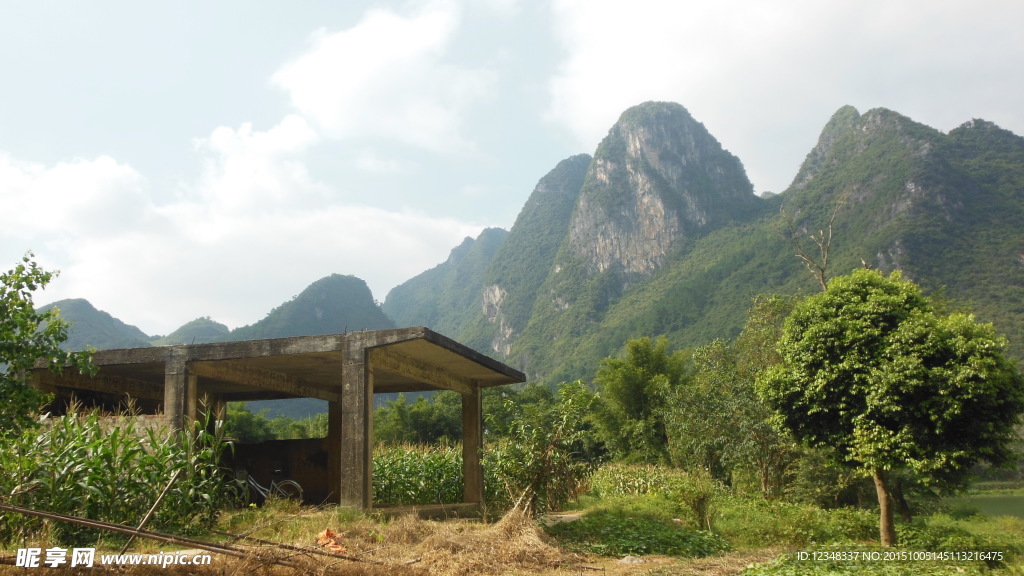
pixel 346 370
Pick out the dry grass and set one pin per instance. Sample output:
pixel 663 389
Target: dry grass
pixel 408 546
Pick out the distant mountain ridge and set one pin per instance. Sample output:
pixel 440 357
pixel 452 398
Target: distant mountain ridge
pixel 95 328
pixel 659 232
pixel 445 296
pixel 330 305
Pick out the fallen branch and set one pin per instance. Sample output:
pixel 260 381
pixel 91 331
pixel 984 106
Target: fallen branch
pixel 151 510
pixel 148 534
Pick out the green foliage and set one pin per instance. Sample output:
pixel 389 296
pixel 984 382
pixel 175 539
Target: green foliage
pixel 870 369
pixel 541 465
pixel 247 426
pixel 243 425
pixel 539 454
pixel 618 533
pixel 417 474
pixel 821 478
pixel 755 522
pixel 695 493
pixel 937 534
pixel 26 338
pixel 633 391
pixel 426 421
pixel 111 469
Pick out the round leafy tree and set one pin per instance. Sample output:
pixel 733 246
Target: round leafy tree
pixel 871 368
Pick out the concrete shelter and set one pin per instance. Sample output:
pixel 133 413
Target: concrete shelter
pixel 346 370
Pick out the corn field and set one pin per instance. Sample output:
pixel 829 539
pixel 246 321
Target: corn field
pixel 80 465
pixel 406 474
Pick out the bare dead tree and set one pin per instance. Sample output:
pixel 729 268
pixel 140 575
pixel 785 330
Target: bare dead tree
pixel 816 265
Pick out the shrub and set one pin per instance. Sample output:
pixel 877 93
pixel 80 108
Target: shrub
pixel 542 465
pixel 697 493
pixel 758 522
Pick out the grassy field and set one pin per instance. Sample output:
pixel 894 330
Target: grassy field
pixel 648 535
pixel 992 502
pixel 635 520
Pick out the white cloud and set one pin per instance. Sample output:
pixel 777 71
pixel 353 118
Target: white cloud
pixel 388 78
pixel 97 197
pixel 765 77
pixel 252 172
pixel 252 230
pixel 161 281
pixel 371 161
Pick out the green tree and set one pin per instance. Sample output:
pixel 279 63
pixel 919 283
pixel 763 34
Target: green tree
pixel 26 338
pixel 870 368
pixel 391 422
pixel 425 421
pixel 629 414
pixel 244 425
pixel 543 463
pixel 715 420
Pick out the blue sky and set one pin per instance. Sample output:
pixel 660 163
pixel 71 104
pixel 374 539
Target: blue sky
pixel 185 159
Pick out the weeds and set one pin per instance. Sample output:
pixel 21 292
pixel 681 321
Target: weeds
pixel 615 534
pixel 698 493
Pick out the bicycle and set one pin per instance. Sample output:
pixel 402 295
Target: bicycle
pixel 284 489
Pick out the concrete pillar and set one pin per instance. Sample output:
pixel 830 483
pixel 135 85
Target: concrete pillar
pixel 356 426
pixel 334 420
pixel 180 391
pixel 472 447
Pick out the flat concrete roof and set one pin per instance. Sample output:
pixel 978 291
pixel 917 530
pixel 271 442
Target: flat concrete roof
pixel 400 360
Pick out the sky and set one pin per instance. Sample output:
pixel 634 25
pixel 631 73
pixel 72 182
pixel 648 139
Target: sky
pixel 183 159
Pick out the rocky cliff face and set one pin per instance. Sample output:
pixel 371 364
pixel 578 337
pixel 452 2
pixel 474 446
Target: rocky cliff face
pixel 658 178
pixel 527 256
pixel 447 297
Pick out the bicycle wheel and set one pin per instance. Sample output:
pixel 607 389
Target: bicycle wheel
pixel 289 490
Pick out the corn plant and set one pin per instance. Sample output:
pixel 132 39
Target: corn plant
pixel 81 465
pixel 417 474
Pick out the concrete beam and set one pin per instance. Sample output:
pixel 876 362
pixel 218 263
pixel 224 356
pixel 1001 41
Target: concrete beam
pixel 108 384
pixel 237 373
pixel 385 359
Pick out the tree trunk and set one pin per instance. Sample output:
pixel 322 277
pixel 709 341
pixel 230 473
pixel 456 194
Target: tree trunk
pixel 886 521
pixel 900 500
